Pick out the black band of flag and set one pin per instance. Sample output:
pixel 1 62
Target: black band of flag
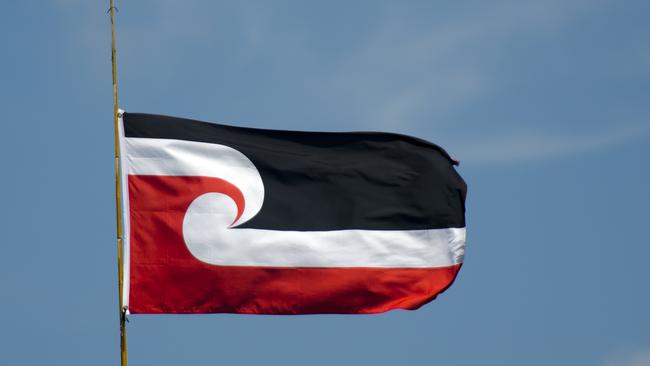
pixel 317 181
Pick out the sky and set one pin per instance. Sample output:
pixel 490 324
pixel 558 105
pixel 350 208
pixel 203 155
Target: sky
pixel 545 103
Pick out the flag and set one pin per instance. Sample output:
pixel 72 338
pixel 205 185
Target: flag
pixel 224 219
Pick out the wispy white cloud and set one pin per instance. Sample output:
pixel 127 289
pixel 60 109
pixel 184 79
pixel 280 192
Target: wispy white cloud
pixel 529 145
pixel 399 78
pixel 632 358
pixel 396 77
pixel 158 30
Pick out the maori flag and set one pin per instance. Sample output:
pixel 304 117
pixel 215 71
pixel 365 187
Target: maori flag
pixel 223 219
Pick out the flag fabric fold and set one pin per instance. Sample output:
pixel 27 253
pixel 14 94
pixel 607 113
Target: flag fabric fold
pixel 242 220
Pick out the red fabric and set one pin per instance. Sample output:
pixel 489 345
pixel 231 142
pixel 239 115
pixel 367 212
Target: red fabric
pixel 166 278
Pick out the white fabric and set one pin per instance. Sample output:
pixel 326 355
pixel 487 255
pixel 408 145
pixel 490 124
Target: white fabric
pixel 211 238
pixel 126 244
pixel 187 158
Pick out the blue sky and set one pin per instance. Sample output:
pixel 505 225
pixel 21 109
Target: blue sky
pixel 546 104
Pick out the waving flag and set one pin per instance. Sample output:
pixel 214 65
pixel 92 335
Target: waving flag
pixel 243 220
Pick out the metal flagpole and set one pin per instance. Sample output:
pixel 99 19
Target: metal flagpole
pixel 118 195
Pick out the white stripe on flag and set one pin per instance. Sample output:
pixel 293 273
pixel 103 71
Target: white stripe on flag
pixel 209 236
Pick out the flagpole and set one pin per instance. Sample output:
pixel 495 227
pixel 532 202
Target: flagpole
pixel 118 195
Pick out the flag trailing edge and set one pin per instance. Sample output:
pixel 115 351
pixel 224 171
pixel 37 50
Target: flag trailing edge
pixel 229 219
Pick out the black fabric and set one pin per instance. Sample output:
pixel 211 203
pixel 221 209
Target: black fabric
pixel 316 181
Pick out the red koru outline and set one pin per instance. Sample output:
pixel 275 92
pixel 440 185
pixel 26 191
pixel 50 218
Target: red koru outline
pixel 167 278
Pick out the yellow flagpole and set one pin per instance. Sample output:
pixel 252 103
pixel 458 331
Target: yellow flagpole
pixel 118 195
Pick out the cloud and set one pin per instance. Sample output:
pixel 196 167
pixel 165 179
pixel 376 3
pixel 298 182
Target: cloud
pixel 634 358
pixel 402 72
pixel 397 75
pixel 402 79
pixel 530 145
